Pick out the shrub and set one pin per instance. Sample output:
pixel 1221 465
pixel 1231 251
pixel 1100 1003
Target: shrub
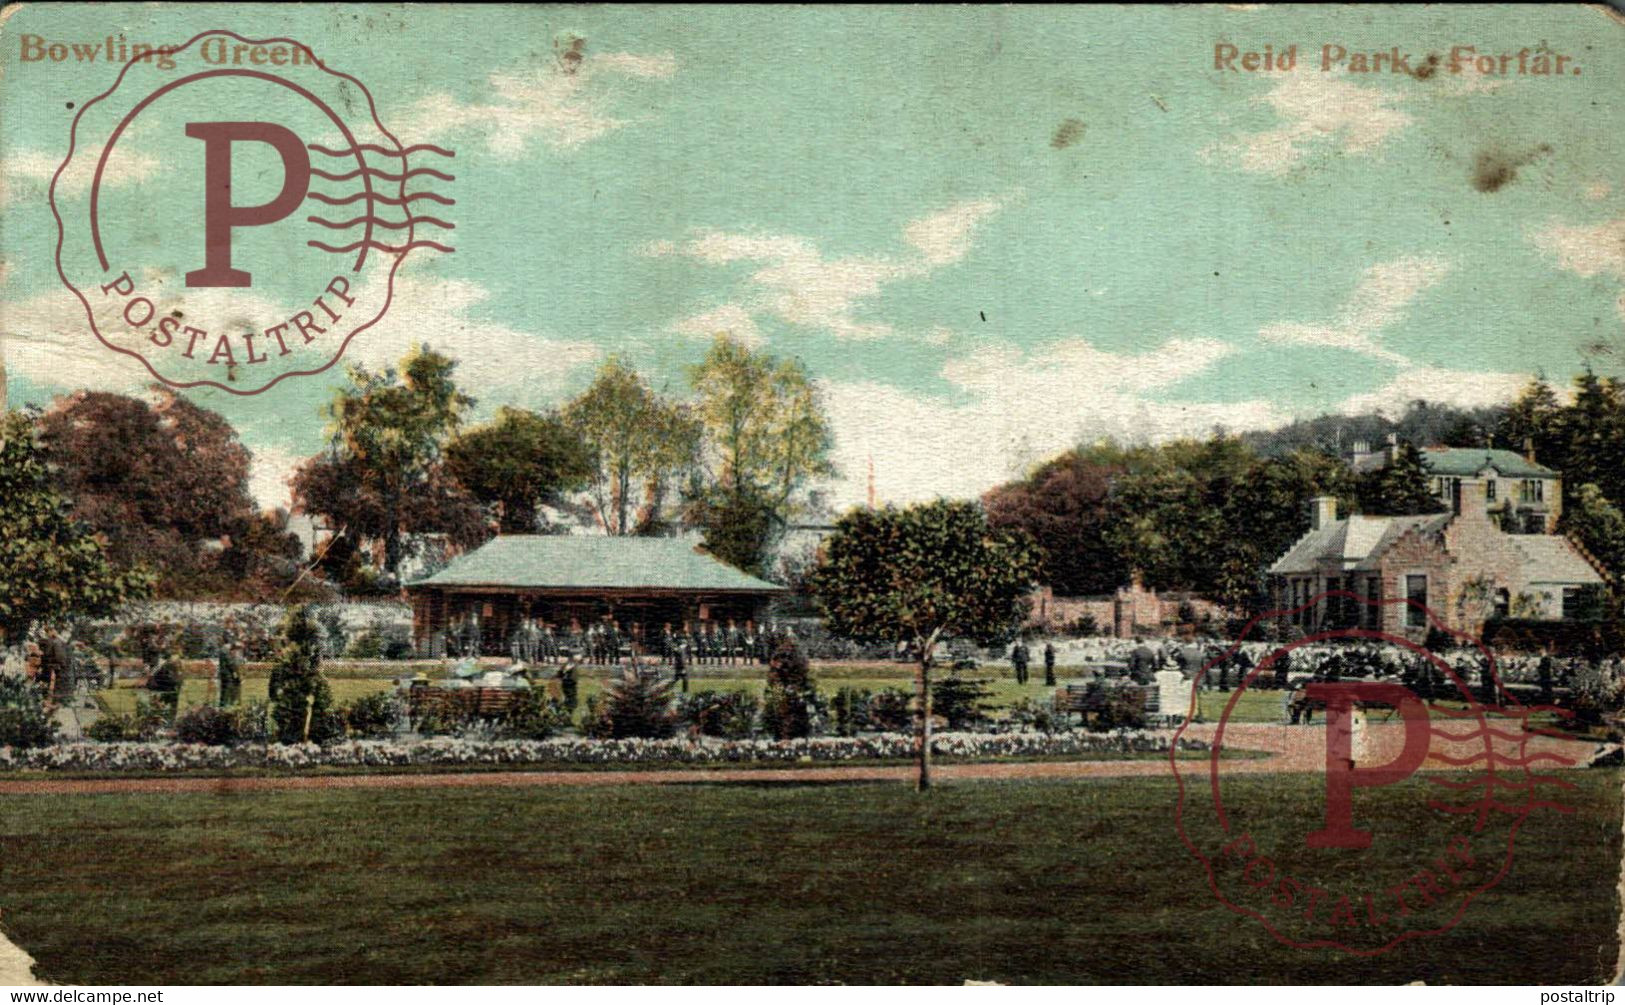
pixel 398 649
pixel 1027 714
pixel 367 645
pixel 207 724
pixel 849 711
pixel 301 701
pixel 373 716
pixel 960 701
pixel 23 719
pixel 727 714
pixel 890 710
pixel 789 701
pixel 532 715
pixel 632 705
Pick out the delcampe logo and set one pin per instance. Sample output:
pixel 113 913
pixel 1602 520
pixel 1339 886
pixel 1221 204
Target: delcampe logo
pixel 270 212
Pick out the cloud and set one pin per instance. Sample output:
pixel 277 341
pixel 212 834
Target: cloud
pixel 730 318
pixel 798 285
pixel 1318 113
pixel 50 343
pixel 1587 251
pixel 563 105
pixel 27 174
pixel 1023 408
pixel 1460 388
pixel 1385 292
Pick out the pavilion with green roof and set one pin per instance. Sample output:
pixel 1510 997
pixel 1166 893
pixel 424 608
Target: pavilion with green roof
pixel 641 585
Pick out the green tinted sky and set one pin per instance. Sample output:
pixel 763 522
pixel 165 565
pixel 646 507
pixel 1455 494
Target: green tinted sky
pixel 1156 246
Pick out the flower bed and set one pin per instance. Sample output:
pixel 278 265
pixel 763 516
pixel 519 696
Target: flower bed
pixel 453 752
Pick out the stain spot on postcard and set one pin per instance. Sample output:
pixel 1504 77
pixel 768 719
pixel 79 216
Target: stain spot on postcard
pixel 1067 133
pixel 1427 67
pixel 1494 169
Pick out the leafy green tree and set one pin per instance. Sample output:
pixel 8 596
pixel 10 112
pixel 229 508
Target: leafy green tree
pixel 53 568
pixel 383 477
pixel 301 701
pixel 518 462
pixel 24 722
pixel 1401 487
pixel 767 440
pixel 924 573
pixel 1598 524
pixel 641 445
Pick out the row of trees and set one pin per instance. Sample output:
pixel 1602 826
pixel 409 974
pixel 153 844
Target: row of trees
pixel 1210 515
pixel 737 461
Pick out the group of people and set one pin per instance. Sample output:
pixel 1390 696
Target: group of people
pixel 1021 659
pixel 607 643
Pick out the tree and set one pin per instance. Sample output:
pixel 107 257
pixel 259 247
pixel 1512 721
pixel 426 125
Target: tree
pixel 301 701
pixel 1064 505
pixel 788 701
pixel 382 477
pixel 641 444
pixel 1599 525
pixel 924 574
pixel 1402 487
pixel 176 485
pixel 518 462
pixel 766 440
pixel 632 705
pixel 53 568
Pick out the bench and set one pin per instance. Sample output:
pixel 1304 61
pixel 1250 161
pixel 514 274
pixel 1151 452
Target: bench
pixel 1088 699
pixel 477 702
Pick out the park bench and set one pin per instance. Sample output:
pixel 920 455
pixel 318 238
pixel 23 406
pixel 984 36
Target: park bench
pixel 1086 699
pixel 479 702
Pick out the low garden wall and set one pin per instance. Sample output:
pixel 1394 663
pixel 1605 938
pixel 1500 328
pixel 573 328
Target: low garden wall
pixel 160 756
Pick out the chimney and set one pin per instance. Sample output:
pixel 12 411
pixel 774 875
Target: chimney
pixel 1469 498
pixel 1391 446
pixel 1322 512
pixel 1529 449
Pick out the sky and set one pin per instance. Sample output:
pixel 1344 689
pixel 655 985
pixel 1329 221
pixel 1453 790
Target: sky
pixel 989 233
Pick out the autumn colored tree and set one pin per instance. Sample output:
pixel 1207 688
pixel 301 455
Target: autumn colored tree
pixel 641 445
pixel 382 477
pixel 767 440
pixel 175 487
pixel 924 574
pixel 53 567
pixel 518 462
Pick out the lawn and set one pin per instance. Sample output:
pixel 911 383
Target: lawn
pixel 1009 881
pixel 347 682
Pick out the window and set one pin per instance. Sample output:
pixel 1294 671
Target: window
pixel 1373 596
pixel 1489 489
pixel 1416 591
pixel 1532 490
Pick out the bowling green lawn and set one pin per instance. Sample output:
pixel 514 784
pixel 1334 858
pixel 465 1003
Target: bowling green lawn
pixel 353 681
pixel 1013 881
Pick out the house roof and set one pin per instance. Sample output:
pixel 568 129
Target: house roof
pixel 1464 462
pixel 1354 542
pixel 1554 559
pixel 565 562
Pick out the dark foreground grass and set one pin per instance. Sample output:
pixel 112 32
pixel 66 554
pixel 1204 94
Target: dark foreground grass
pixel 1014 881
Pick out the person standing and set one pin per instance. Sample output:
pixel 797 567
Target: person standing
pixel 1018 659
pixel 679 668
pixel 1049 664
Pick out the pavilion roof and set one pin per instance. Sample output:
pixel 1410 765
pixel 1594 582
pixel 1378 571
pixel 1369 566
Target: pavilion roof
pixel 579 562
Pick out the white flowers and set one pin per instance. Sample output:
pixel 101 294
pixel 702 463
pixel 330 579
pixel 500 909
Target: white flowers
pixel 165 757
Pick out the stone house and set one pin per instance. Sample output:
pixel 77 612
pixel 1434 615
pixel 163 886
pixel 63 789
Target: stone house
pixel 1459 564
pixel 1521 495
